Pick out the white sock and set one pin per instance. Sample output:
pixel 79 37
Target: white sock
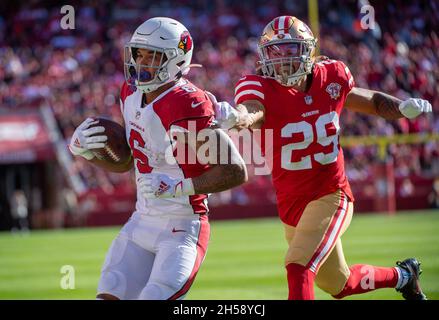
pixel 403 277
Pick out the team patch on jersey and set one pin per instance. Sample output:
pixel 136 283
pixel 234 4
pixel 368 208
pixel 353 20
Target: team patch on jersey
pixel 308 100
pixel 185 43
pixel 334 90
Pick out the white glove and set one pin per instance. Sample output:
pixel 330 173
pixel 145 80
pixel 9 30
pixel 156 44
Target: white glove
pixel 226 116
pixel 157 185
pixel 82 142
pixel 411 108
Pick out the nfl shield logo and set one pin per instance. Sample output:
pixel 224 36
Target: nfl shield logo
pixel 334 90
pixel 308 100
pixel 137 115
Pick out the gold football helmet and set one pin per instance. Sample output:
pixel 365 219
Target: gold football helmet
pixel 286 50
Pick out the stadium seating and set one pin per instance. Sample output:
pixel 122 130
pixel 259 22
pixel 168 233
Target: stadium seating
pixel 79 72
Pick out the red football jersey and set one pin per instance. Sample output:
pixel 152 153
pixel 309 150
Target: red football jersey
pixel 307 158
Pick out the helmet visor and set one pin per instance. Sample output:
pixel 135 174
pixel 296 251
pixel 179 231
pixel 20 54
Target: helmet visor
pixel 282 50
pixel 285 61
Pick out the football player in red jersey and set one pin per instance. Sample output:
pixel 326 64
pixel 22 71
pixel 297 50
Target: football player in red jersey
pixel 301 100
pixel 159 251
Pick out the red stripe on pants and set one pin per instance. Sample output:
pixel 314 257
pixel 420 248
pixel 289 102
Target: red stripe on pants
pixel 203 240
pixel 340 212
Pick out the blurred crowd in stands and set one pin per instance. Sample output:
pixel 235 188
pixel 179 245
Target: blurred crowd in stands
pixel 79 72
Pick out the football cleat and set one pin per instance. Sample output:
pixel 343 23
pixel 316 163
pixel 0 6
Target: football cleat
pixel 411 269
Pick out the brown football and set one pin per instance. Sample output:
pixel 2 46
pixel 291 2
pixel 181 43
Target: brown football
pixel 116 150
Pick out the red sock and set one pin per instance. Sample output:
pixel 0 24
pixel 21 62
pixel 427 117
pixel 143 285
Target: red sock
pixel 365 278
pixel 300 282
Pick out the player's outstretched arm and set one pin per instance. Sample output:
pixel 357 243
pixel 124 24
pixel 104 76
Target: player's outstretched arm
pixel 384 105
pixel 249 114
pixel 228 168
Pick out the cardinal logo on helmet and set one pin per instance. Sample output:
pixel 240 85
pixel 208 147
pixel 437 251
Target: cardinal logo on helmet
pixel 185 43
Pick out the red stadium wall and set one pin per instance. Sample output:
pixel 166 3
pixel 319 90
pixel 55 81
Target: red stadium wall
pixel 116 208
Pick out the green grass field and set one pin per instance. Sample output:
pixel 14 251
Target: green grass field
pixel 244 260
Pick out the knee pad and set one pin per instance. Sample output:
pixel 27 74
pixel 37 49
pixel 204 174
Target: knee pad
pixel 157 291
pixel 114 283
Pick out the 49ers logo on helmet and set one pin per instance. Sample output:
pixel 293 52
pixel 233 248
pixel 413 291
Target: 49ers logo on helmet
pixel 185 43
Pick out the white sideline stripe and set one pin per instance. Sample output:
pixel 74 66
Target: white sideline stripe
pixel 247 83
pixel 242 93
pixel 282 25
pixel 331 238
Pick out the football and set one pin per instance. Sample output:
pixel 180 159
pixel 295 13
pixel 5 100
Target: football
pixel 116 150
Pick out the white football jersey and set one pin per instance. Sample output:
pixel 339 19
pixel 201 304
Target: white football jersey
pixel 149 131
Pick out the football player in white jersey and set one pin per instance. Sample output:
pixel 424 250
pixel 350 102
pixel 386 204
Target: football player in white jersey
pixel 158 252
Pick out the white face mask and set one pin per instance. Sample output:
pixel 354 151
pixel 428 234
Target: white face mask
pixel 151 75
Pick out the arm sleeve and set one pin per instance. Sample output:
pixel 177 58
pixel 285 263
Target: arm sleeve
pixel 192 125
pixel 249 88
pixel 344 74
pixel 125 91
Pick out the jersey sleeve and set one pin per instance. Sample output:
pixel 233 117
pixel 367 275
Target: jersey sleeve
pixel 195 112
pixel 125 91
pixel 193 125
pixel 185 133
pixel 344 75
pixel 249 88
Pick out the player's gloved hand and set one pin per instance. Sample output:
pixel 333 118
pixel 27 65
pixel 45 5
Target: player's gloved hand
pixel 226 116
pixel 85 139
pixel 158 185
pixel 413 107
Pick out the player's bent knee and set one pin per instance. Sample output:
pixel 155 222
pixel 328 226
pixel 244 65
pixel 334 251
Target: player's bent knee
pixel 157 291
pixel 295 255
pixel 333 285
pixel 112 283
pixel 329 288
